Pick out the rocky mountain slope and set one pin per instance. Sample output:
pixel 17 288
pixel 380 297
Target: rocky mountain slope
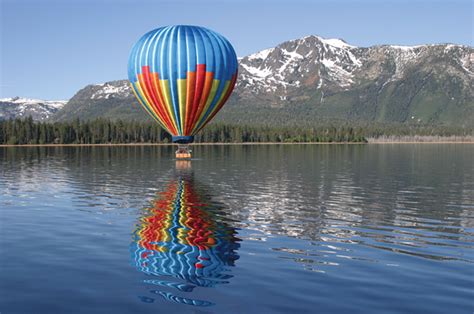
pixel 112 100
pixel 39 110
pixel 332 79
pixel 312 79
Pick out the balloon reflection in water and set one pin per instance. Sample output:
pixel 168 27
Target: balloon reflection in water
pixel 185 236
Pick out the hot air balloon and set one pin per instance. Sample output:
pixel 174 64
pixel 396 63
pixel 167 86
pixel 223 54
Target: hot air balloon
pixel 182 76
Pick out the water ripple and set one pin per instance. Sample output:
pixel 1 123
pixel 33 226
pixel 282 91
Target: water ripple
pixel 373 223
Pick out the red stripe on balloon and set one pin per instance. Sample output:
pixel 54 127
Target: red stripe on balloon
pixel 157 106
pixel 199 83
pixel 150 90
pixel 147 96
pixel 209 79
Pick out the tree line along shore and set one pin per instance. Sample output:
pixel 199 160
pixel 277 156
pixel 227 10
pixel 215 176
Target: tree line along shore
pixel 104 131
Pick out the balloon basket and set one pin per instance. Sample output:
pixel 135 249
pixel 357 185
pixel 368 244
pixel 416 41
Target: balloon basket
pixel 183 152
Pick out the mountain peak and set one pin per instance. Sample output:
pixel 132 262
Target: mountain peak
pixel 334 42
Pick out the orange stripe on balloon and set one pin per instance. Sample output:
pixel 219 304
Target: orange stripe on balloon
pixel 205 93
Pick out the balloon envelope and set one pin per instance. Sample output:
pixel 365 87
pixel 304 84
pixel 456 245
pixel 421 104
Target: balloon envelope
pixel 182 76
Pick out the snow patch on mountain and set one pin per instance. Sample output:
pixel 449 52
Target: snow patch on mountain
pixel 467 63
pixel 259 73
pixel 335 42
pixel 30 101
pixel 404 48
pixel 111 89
pixel 263 54
pixel 291 57
pixel 337 73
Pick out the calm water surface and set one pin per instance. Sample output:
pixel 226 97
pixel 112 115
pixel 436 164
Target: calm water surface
pixel 243 229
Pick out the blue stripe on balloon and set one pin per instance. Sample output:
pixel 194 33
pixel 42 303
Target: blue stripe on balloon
pixel 208 51
pixel 155 46
pixel 163 72
pixel 181 52
pixel 135 68
pixel 142 53
pixel 229 62
pixel 217 57
pixel 173 73
pixel 190 50
pixel 200 52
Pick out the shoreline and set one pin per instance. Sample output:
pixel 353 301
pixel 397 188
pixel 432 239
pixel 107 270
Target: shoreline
pixel 175 144
pixel 229 144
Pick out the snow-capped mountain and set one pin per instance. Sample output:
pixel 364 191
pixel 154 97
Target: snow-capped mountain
pixel 331 65
pixel 112 99
pixel 313 78
pixel 39 110
pixel 289 64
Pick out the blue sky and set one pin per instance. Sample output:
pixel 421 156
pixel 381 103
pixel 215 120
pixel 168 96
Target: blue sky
pixel 52 48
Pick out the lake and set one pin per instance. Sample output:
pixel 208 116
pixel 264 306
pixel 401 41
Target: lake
pixel 239 229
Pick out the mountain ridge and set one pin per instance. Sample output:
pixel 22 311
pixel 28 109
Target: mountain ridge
pixel 306 80
pixel 38 109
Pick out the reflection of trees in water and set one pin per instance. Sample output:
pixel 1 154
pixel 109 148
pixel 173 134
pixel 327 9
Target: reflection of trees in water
pixel 184 235
pixel 95 178
pixel 396 198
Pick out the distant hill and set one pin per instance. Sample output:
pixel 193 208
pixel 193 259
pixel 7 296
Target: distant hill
pixel 38 109
pixel 311 79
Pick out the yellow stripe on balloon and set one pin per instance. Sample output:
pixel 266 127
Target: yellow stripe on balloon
pixel 210 98
pixel 224 92
pixel 156 86
pixel 182 87
pixel 145 99
pixel 165 88
pixel 153 115
pixel 151 102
